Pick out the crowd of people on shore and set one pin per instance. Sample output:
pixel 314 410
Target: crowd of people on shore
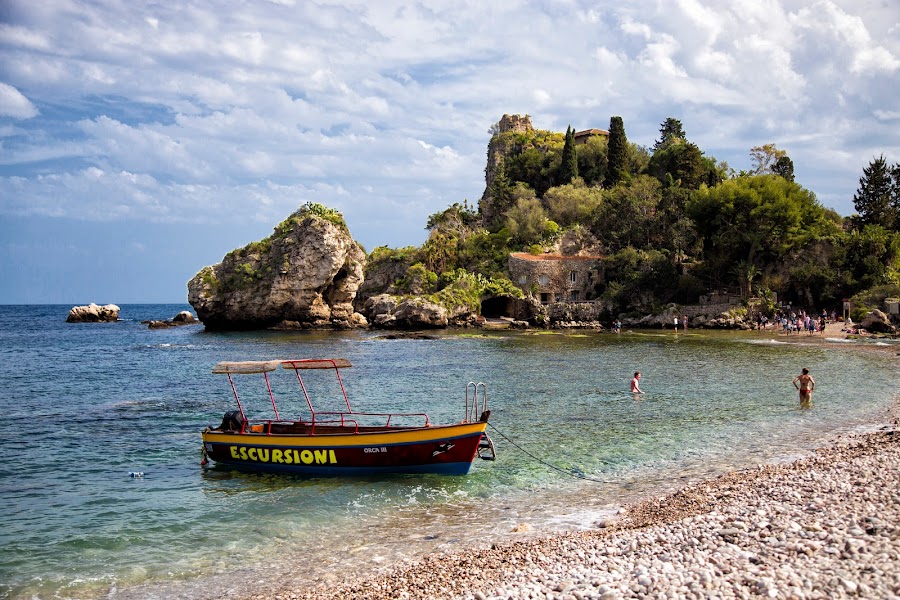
pixel 794 323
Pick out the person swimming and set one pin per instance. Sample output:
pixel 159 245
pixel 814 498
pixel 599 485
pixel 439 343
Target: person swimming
pixel 635 383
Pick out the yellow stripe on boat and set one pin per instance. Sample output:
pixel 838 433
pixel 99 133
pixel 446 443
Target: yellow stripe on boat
pixel 344 440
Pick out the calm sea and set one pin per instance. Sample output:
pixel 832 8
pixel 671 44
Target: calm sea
pixel 85 405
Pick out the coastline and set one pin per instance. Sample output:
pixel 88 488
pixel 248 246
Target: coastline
pixel 823 526
pixel 820 527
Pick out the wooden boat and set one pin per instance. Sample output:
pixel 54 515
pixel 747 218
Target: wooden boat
pixel 343 442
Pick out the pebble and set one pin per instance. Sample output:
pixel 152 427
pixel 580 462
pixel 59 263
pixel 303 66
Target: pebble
pixel 822 527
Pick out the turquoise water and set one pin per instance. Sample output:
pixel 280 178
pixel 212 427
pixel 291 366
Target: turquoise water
pixel 86 404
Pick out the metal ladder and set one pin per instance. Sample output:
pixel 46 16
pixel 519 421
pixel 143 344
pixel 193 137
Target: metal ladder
pixel 486 450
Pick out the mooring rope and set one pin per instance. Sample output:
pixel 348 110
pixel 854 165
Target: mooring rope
pixel 544 462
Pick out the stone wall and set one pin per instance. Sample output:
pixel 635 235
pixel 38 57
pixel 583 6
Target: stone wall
pixel 555 278
pixel 515 124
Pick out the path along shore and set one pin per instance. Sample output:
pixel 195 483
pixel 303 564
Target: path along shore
pixel 827 526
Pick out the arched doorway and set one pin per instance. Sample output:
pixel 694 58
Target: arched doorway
pixel 497 307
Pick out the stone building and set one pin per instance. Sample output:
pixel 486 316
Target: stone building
pixel 581 137
pixel 556 278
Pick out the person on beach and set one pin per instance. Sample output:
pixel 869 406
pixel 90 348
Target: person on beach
pixel 676 324
pixel 805 384
pixel 635 383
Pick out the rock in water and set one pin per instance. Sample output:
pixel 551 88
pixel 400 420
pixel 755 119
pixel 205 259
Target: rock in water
pixel 93 313
pixel 307 271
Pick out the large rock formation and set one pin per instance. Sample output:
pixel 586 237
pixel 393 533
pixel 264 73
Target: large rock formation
pixel 304 275
pixel 878 322
pixel 93 313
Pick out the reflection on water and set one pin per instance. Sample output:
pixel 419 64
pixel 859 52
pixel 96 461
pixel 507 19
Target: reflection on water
pixel 573 445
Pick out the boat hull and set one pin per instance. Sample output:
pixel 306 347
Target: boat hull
pixel 444 449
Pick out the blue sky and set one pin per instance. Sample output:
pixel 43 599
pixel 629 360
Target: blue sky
pixel 142 140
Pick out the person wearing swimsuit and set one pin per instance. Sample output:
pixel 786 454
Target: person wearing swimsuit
pixel 805 384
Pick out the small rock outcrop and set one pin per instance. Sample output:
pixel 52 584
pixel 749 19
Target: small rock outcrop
pixel 878 322
pixel 93 313
pixel 305 275
pixel 387 311
pixel 391 312
pixel 185 317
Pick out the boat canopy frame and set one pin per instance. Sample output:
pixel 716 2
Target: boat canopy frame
pixel 340 418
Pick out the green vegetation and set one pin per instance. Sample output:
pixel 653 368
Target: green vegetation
pixel 466 290
pixel 672 223
pixel 617 154
pixel 283 229
pixel 568 165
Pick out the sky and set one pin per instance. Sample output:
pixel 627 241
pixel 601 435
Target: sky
pixel 141 140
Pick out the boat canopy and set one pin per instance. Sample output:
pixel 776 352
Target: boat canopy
pixel 246 367
pixel 316 363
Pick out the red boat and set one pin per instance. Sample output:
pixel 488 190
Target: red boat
pixel 344 442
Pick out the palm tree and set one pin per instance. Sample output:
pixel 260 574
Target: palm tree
pixel 746 272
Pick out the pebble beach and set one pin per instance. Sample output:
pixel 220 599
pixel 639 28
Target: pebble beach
pixel 827 526
pixel 824 526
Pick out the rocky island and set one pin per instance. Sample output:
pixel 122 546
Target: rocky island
pixel 93 313
pixel 305 275
pixel 580 230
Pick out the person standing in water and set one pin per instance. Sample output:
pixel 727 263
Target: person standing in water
pixel 635 383
pixel 805 384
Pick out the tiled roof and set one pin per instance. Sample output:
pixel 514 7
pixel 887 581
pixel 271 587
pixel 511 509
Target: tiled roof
pixel 529 256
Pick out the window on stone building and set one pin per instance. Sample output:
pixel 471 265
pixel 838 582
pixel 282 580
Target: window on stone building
pixel 523 279
pixel 573 276
pixel 573 295
pixel 544 280
pixel 545 297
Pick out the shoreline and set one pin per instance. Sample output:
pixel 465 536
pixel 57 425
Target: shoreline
pixel 820 527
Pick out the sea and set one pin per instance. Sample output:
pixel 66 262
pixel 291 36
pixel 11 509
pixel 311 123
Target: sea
pixel 103 494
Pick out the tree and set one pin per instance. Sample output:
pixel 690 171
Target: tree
pixel 501 198
pixel 573 203
pixel 746 272
pixel 628 215
pixel 683 161
pixel 617 153
pixel 757 219
pixel 784 167
pixel 895 195
pixel 764 158
pixel 527 221
pixel 670 132
pixel 568 168
pixel 592 160
pixel 876 199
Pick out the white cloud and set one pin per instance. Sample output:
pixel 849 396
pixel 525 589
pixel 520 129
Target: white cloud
pixel 14 104
pixel 245 112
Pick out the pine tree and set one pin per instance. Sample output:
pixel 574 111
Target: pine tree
pixel 568 168
pixel 618 153
pixel 784 167
pixel 670 131
pixel 501 194
pixel 874 199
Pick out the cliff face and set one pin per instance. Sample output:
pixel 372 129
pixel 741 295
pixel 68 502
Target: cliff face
pixel 497 150
pixel 305 275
